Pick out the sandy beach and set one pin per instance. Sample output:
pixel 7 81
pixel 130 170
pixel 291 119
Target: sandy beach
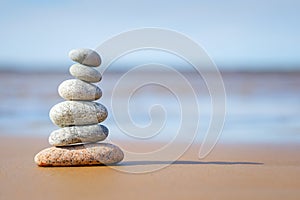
pixel 231 171
pixel 257 156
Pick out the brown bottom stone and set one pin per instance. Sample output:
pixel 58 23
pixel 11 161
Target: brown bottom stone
pixel 80 155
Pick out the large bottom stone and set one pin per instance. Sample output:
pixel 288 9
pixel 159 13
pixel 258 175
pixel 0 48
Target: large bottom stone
pixel 80 155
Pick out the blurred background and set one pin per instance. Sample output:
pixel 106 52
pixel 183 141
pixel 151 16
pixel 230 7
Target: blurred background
pixel 255 44
pixel 238 35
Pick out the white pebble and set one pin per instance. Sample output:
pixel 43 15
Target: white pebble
pixel 70 113
pixel 75 89
pixel 78 134
pixel 84 56
pixel 85 73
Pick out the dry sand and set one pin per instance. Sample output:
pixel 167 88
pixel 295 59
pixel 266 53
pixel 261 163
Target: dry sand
pixel 231 171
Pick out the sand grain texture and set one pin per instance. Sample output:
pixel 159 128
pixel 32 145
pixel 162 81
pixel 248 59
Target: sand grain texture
pixel 252 171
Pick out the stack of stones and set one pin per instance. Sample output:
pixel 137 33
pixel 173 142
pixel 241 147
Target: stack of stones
pixel 75 143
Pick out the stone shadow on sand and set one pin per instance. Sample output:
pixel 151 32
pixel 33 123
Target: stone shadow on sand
pixel 178 162
pixel 187 162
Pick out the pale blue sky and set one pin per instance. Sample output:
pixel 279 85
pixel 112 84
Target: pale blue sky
pixel 236 34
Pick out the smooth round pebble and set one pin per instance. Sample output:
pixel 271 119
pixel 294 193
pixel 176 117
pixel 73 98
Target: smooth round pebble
pixel 85 73
pixel 69 113
pixel 85 56
pixel 78 155
pixel 75 89
pixel 78 134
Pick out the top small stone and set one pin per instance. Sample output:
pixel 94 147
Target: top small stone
pixel 86 57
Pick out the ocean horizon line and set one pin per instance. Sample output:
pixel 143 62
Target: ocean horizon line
pixel 62 68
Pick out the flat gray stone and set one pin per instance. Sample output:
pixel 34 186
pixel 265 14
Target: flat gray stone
pixel 85 56
pixel 85 73
pixel 80 155
pixel 70 113
pixel 78 134
pixel 75 89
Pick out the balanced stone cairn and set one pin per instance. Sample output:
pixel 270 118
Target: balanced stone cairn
pixel 75 143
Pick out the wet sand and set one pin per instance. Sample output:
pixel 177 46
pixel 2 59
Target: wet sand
pixel 231 171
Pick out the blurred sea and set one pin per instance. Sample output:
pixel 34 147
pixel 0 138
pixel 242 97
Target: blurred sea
pixel 261 107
